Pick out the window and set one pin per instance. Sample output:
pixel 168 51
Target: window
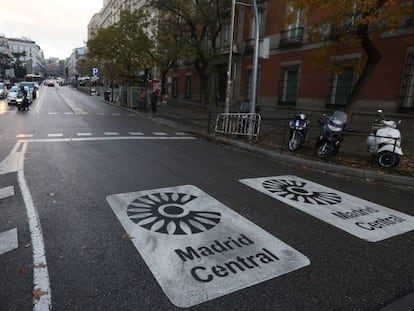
pixel 296 28
pixel 288 84
pixel 293 33
pixel 341 84
pixel 407 85
pixel 261 12
pixel 188 86
pixel 174 87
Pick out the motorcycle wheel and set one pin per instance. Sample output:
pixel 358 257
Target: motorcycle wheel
pixel 388 159
pixel 323 151
pixel 294 142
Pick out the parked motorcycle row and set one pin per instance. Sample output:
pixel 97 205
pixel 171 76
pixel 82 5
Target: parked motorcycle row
pixel 383 142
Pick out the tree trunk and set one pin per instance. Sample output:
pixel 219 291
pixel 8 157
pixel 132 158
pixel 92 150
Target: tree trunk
pixel 373 58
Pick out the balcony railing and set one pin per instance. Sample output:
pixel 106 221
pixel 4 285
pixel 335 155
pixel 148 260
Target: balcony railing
pixel 291 37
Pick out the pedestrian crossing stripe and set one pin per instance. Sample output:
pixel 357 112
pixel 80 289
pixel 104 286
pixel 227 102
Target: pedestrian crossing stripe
pixel 364 219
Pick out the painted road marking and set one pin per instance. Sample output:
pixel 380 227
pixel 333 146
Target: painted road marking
pixel 83 134
pixel 14 162
pixel 359 217
pixel 197 248
pixel 159 133
pixel 54 140
pixel 111 133
pixel 52 113
pixel 8 241
pixel 6 192
pixel 24 135
pixel 136 133
pixel 55 135
pixel 180 133
pixel 71 113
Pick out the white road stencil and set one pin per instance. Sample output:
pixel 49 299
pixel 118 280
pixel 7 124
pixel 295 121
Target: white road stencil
pixel 359 217
pixel 197 248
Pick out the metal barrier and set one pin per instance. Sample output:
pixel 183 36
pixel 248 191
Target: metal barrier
pixel 238 124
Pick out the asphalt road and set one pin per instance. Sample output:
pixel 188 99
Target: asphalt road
pixel 134 215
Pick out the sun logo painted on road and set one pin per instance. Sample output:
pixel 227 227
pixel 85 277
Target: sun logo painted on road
pixel 166 213
pixel 295 190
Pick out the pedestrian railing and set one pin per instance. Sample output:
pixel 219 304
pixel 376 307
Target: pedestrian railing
pixel 247 124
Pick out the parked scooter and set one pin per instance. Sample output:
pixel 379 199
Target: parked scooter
pixel 331 134
pixel 384 141
pixel 298 128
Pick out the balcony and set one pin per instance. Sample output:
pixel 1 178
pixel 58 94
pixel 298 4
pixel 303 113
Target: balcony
pixel 292 37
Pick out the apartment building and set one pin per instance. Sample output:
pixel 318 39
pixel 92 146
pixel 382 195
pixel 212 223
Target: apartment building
pixel 294 72
pixel 34 59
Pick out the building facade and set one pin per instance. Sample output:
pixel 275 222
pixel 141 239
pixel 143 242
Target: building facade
pixel 294 72
pixel 33 60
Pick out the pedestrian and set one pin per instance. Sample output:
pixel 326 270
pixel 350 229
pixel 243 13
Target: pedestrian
pixel 154 102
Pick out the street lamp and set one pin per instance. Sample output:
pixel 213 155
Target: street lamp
pixel 230 62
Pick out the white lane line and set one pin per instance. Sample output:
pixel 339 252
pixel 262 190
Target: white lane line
pixel 83 134
pixel 55 135
pixel 111 133
pixel 52 113
pixel 159 133
pixel 100 113
pixel 69 113
pixel 8 241
pixel 6 192
pixel 136 133
pixel 116 114
pixel 41 284
pixel 180 133
pixel 24 135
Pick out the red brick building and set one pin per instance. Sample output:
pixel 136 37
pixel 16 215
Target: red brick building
pixel 296 72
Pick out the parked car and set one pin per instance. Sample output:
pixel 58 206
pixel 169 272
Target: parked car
pixel 12 95
pixel 3 90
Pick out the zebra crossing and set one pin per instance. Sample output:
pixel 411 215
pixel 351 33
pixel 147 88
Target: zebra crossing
pixel 101 134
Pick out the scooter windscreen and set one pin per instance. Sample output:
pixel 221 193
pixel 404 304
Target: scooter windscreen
pixel 337 121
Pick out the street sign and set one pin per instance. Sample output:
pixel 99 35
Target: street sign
pixel 95 72
pixel 197 248
pixel 361 218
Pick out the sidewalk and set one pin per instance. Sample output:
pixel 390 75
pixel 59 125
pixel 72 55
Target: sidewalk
pixel 352 160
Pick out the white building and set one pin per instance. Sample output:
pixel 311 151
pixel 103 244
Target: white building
pixel 33 60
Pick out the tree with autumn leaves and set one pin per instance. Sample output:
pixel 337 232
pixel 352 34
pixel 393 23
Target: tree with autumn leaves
pixel 345 24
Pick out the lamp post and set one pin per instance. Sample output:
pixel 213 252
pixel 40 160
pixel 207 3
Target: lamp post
pixel 230 64
pixel 229 90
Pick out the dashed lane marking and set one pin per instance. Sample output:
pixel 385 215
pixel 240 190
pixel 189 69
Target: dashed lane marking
pixel 159 134
pixel 55 135
pixel 83 134
pixel 136 133
pixel 24 135
pixel 111 133
pixel 6 192
pixel 8 241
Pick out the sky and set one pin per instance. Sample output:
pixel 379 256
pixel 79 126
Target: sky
pixel 57 26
